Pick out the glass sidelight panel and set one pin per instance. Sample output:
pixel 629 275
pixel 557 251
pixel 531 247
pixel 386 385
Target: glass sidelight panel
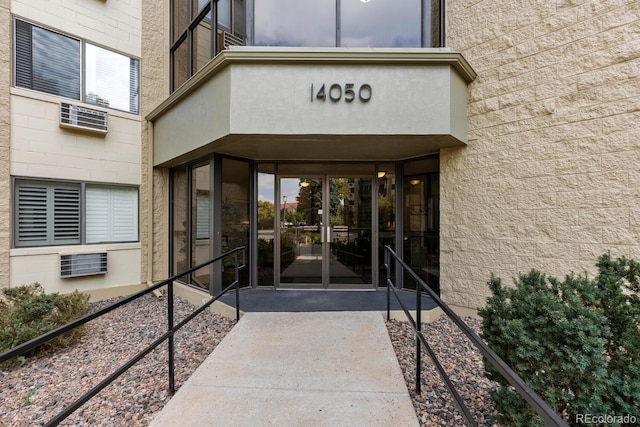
pixel 350 211
pixel 180 210
pixel 266 232
pixel 234 215
pixel 200 224
pixel 422 227
pixel 386 217
pixel 301 229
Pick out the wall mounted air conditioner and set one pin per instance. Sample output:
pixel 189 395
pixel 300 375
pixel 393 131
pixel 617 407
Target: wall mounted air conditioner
pixel 231 40
pixel 82 118
pixel 83 264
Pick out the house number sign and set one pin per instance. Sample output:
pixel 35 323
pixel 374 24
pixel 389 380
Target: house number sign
pixel 337 92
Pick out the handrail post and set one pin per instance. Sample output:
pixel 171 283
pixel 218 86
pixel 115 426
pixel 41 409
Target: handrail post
pixel 172 386
pixel 418 332
pixel 387 264
pixel 237 279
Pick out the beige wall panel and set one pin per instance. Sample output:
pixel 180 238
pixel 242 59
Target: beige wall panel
pixel 276 99
pixel 260 107
pixel 41 149
pixel 113 23
pixel 121 270
pixel 201 118
pixel 549 179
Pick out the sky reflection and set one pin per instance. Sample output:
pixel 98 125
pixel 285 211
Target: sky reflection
pixel 312 23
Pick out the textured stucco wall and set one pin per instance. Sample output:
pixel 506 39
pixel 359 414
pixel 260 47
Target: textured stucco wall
pixel 5 141
pixel 154 76
pixel 550 178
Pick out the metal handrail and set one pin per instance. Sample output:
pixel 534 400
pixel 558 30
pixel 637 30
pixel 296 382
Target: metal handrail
pixel 171 330
pixel 548 415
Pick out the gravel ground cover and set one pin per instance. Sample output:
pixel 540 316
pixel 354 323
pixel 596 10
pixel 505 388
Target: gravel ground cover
pixel 32 394
pixel 459 358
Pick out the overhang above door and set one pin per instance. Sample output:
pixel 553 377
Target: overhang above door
pixel 320 104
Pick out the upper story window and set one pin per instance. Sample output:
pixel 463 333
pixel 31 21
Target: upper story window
pixel 58 64
pixel 309 23
pixel 194 40
pixel 345 23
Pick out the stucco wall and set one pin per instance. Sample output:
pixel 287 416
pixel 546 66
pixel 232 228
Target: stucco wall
pixel 5 143
pixel 154 85
pixel 550 178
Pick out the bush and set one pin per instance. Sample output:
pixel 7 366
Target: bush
pixel 575 342
pixel 27 312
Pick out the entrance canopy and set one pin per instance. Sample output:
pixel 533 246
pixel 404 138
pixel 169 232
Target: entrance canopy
pixel 316 104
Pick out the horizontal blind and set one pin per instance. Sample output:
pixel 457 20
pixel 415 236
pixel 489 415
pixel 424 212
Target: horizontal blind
pixel 111 214
pixel 97 207
pixel 111 79
pixel 47 61
pixel 125 214
pixel 202 216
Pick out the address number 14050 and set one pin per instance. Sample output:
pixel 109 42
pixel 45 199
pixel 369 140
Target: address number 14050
pixel 336 92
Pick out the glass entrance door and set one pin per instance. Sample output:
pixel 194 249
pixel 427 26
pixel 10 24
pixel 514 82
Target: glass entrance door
pixel 350 233
pixel 325 232
pixel 301 231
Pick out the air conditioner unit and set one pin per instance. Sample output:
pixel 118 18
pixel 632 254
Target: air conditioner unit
pixel 230 39
pixel 83 118
pixel 83 264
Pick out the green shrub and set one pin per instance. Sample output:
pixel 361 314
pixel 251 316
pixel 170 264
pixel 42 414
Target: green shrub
pixel 575 342
pixel 27 312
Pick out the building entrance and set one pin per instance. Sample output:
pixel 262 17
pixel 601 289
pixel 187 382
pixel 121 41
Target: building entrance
pixel 324 233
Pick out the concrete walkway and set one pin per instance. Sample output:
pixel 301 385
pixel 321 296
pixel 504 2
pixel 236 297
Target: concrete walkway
pixel 297 369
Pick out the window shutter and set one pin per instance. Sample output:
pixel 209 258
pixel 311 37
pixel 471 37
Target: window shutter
pixel 66 215
pixel 31 215
pixel 47 213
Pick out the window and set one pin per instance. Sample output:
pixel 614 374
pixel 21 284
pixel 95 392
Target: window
pixel 111 214
pixel 54 63
pixel 194 40
pixel 48 213
pixel 309 23
pixel 347 23
pixel 295 23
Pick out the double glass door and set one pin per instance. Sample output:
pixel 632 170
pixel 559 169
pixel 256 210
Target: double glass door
pixel 324 231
